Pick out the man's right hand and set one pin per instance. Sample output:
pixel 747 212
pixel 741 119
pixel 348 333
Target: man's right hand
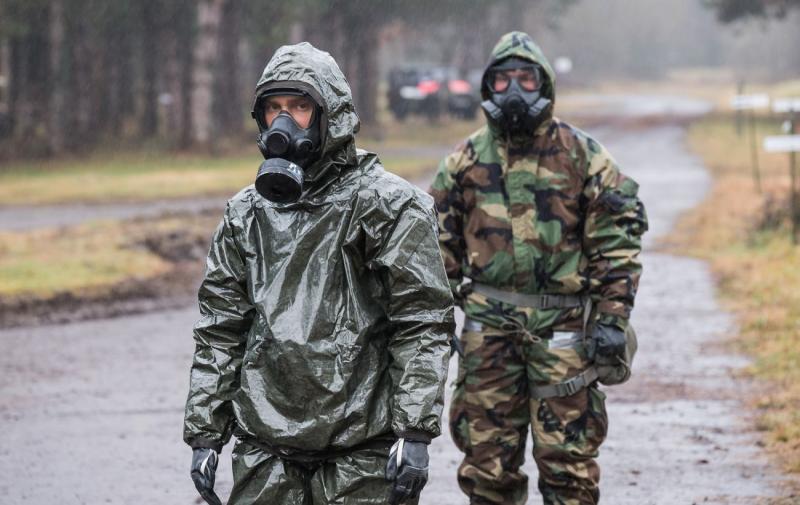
pixel 204 468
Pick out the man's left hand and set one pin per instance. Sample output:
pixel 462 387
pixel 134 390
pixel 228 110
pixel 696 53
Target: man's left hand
pixel 204 468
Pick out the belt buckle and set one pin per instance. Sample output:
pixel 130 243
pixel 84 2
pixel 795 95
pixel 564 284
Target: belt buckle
pixel 545 302
pixel 572 386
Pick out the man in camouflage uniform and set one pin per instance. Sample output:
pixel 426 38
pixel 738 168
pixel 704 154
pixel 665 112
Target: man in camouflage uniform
pixel 540 234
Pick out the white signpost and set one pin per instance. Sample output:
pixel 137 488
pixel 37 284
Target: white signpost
pixel 789 144
pixel 746 102
pixel 783 105
pixel 782 144
pixel 751 103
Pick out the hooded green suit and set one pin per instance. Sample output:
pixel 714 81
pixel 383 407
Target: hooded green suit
pixel 325 322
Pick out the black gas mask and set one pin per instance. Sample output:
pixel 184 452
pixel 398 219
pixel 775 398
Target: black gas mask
pixel 288 149
pixel 516 105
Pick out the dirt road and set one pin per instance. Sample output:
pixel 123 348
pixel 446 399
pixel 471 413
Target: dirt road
pixel 91 412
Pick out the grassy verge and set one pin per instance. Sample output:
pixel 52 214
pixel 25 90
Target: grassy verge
pixel 745 236
pixel 90 259
pixel 139 178
pixel 408 149
pixel 94 259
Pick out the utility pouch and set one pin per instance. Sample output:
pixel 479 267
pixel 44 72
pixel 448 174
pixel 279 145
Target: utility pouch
pixel 612 371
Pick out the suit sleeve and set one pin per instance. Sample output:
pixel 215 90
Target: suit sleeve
pixel 612 240
pixel 220 335
pixel 420 312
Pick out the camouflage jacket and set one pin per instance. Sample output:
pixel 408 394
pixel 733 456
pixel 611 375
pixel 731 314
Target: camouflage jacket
pixel 547 215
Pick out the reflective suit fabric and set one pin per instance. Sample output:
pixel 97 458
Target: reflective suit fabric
pixel 491 410
pixel 351 479
pixel 548 214
pixel 325 322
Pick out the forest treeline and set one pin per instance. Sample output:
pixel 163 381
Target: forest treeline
pixel 78 73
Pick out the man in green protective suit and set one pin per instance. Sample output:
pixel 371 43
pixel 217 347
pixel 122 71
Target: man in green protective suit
pixel 540 234
pixel 326 312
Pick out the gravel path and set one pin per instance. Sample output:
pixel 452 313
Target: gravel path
pixel 92 411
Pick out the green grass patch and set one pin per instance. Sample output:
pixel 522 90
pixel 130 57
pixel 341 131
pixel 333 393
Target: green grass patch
pixel 92 257
pixel 88 257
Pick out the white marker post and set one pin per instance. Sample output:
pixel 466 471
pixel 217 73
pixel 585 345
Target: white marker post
pixel 786 105
pixel 789 144
pixel 751 103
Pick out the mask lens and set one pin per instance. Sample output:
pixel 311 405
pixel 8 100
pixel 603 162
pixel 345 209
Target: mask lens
pixel 499 81
pixel 528 78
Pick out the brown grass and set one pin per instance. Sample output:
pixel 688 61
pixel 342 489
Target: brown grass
pixel 746 238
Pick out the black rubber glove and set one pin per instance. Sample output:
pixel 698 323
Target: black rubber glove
pixel 607 344
pixel 204 469
pixel 408 468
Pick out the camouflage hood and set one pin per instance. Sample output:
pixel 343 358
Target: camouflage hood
pixel 304 67
pixel 521 45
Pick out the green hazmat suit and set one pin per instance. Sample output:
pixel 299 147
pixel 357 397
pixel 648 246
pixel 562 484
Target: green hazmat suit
pixel 325 322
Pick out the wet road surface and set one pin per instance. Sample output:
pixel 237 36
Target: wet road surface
pixel 91 412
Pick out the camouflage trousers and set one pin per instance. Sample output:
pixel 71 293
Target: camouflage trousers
pixel 492 408
pixel 354 478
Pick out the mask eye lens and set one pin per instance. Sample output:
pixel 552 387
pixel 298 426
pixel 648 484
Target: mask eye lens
pixel 528 79
pixel 500 82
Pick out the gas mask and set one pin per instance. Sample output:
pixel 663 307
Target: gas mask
pixel 288 150
pixel 516 105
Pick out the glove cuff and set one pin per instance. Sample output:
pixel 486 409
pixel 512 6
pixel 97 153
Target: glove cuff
pixel 205 443
pixel 413 435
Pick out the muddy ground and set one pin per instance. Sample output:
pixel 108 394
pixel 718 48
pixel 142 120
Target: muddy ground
pixel 92 411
